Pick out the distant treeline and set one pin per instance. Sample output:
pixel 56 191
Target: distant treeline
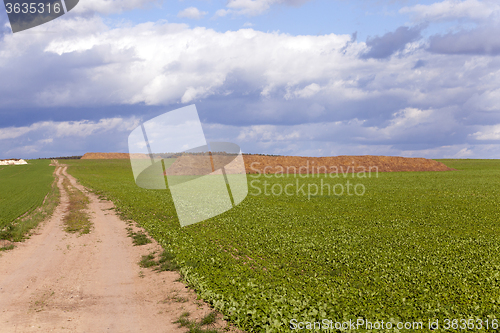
pixel 62 158
pixel 261 154
pixel 176 155
pixel 164 155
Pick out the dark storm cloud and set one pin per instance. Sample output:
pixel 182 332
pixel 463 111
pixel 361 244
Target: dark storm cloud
pixel 385 46
pixel 249 108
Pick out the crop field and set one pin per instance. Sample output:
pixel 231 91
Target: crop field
pixel 414 247
pixel 23 188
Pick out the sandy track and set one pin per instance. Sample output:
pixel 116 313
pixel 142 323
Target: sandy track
pixel 60 282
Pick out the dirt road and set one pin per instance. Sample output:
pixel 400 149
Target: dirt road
pixel 60 282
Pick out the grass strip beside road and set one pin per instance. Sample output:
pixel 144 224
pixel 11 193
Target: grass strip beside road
pixel 76 218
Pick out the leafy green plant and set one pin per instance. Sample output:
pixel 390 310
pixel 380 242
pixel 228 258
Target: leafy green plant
pixel 415 246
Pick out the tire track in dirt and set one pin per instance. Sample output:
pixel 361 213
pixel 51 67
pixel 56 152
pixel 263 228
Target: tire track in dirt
pixel 60 282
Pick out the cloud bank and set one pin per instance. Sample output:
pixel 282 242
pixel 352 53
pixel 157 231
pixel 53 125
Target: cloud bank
pixel 397 94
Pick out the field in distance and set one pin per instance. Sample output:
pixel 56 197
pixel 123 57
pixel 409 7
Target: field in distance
pixel 23 188
pixel 414 246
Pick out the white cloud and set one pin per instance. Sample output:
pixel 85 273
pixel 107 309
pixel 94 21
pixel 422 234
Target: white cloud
pixel 453 9
pixel 221 13
pixel 50 138
pixel 82 129
pixel 411 117
pixel 268 133
pixel 489 100
pixel 86 128
pixel 13 132
pixel 464 152
pixel 192 93
pixel 168 63
pixel 192 13
pixel 488 133
pixel 308 91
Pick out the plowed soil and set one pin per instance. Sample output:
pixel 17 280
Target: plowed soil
pixel 299 164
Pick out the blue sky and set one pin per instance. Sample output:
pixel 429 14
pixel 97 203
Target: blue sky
pixel 311 18
pixel 292 77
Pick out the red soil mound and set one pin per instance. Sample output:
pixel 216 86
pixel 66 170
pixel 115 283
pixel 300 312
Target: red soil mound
pixel 111 156
pixel 298 164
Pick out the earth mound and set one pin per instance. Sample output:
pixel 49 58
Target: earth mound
pixel 301 165
pixel 111 156
pixel 367 163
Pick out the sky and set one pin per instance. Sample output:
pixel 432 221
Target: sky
pixel 285 77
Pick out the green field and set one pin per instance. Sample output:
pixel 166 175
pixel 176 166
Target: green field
pixel 23 188
pixel 416 246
